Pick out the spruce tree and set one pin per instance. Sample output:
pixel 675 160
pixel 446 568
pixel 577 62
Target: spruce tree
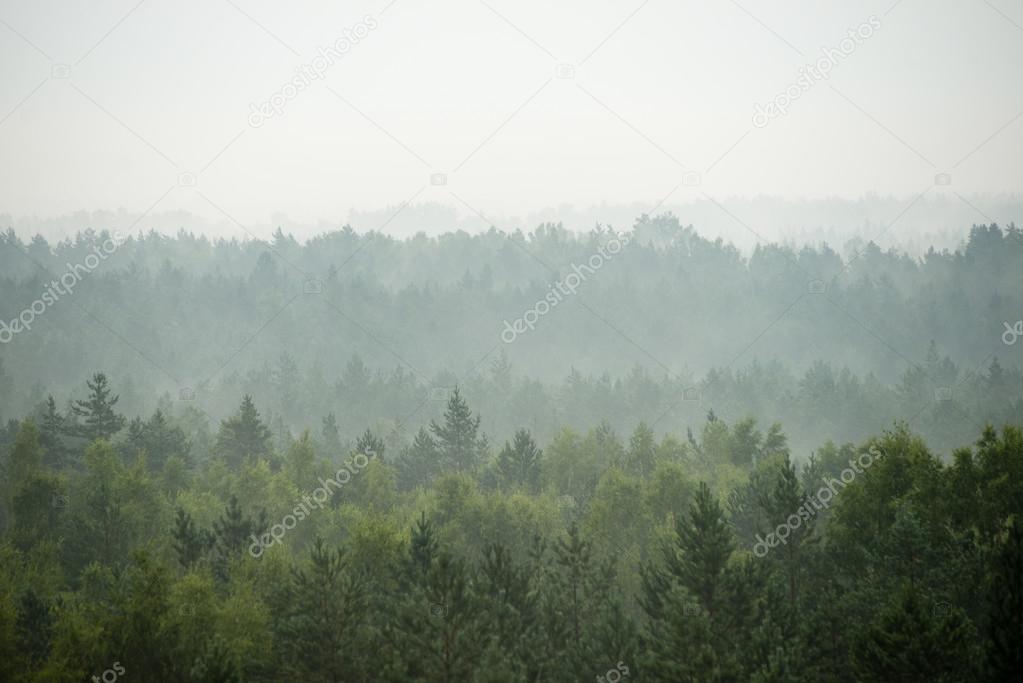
pixel 98 419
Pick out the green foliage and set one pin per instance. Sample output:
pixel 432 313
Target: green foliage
pixel 98 419
pixel 910 642
pixel 519 463
pixel 541 565
pixel 461 446
pixel 243 436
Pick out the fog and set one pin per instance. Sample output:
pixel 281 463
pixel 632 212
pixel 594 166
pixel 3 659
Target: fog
pixel 106 105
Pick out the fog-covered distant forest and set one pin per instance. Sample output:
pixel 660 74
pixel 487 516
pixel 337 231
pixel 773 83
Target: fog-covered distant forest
pixel 376 331
pixel 689 464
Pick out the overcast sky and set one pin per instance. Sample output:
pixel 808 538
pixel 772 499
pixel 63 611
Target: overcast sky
pixel 111 105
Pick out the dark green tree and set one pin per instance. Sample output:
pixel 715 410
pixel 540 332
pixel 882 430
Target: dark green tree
pixel 1005 628
pixel 159 439
pixel 323 629
pixel 52 428
pixel 190 541
pixel 420 462
pixel 95 416
pixel 369 444
pixel 519 462
pixel 34 628
pixel 911 641
pixel 243 436
pixel 458 439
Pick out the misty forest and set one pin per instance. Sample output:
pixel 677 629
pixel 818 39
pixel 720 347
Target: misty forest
pixel 482 341
pixel 361 459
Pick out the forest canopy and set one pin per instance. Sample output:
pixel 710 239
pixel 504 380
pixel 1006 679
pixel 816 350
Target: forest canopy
pixel 321 461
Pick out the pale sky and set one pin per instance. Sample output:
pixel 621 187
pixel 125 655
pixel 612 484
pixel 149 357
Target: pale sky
pixel 109 105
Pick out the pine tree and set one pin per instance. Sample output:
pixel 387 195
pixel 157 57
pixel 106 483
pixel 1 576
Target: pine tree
pixel 422 549
pixel 420 462
pixel 369 444
pixel 705 543
pixel 509 615
pixel 909 641
pixel 580 586
pixel 243 436
pixel 693 604
pixel 232 533
pixel 519 463
pixel 159 439
pixel 782 503
pixel 190 541
pixel 331 437
pixel 436 630
pixel 322 631
pixel 458 438
pixel 52 427
pixel 97 412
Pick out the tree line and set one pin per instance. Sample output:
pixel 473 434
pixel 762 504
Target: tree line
pixel 451 558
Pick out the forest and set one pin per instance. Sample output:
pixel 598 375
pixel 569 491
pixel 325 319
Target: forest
pixel 226 461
